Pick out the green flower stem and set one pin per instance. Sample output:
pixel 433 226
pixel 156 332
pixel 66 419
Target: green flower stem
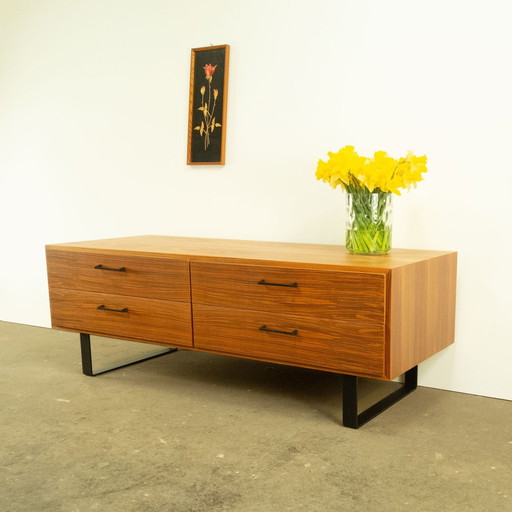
pixel 368 222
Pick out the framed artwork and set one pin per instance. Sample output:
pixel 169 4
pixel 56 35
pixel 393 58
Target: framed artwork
pixel 208 105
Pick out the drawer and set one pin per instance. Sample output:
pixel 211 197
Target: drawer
pixel 122 275
pixel 139 319
pixel 356 349
pixel 339 295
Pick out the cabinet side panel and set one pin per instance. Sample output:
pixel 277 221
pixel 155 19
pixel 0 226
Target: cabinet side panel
pixel 421 311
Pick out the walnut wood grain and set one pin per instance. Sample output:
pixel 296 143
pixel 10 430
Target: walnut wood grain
pixel 358 297
pixel 356 349
pixel 422 311
pixel 144 277
pixel 250 252
pixel 161 321
pixel 373 316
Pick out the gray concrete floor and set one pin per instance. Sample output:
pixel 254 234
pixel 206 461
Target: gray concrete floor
pixel 198 432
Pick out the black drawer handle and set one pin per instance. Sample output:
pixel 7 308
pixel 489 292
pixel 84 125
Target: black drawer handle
pixel 103 308
pixel 291 285
pixel 291 333
pixel 101 267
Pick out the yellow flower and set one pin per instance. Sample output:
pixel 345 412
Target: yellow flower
pixel 203 89
pixel 215 94
pixel 381 173
pixel 340 167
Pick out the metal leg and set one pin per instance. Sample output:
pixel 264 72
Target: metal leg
pixel 352 419
pixel 85 346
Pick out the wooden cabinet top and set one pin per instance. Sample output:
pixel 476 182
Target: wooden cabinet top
pixel 251 252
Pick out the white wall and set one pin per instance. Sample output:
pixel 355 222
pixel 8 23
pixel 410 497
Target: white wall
pixel 93 120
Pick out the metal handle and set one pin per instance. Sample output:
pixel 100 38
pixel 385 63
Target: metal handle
pixel 103 308
pixel 101 267
pixel 291 333
pixel 290 285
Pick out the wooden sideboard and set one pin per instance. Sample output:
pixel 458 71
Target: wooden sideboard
pixel 307 305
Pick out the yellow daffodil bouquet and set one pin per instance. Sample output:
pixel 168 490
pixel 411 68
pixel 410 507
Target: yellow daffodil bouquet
pixel 369 183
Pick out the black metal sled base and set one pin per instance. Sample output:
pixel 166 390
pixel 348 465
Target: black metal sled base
pixel 85 345
pixel 352 419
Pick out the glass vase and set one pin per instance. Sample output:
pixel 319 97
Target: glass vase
pixel 369 223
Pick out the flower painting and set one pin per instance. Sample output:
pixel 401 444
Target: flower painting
pixel 207 106
pixel 208 123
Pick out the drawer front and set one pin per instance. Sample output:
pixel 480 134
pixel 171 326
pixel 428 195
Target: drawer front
pixel 336 295
pixel 356 349
pixel 137 318
pixel 122 275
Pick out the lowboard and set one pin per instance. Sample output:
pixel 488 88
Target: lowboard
pixel 307 305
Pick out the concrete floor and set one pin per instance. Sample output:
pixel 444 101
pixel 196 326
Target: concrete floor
pixel 197 432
